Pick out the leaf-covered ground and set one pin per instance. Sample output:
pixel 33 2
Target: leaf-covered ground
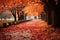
pixel 32 30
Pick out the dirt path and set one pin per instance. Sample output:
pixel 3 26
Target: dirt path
pixel 32 30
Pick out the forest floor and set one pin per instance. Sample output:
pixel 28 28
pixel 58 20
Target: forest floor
pixel 31 30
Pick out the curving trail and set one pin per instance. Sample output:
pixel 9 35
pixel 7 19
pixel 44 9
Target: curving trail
pixel 32 30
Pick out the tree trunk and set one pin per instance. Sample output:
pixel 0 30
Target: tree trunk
pixel 18 13
pixel 57 16
pixel 14 17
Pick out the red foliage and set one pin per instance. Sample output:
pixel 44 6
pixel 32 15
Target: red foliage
pixel 24 31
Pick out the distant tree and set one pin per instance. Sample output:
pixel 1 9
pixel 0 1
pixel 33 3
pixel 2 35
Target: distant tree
pixel 21 16
pixel 13 11
pixel 20 13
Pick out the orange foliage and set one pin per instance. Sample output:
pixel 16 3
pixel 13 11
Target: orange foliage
pixel 33 9
pixel 27 3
